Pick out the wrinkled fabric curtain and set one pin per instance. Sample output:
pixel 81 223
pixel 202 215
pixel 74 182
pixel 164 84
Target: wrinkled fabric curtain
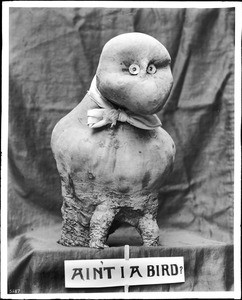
pixel 54 53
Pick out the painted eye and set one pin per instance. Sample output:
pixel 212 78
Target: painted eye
pixel 134 69
pixel 151 69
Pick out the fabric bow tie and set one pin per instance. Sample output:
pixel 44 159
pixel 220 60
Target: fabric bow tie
pixel 108 114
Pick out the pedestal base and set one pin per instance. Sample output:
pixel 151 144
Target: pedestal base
pixel 36 261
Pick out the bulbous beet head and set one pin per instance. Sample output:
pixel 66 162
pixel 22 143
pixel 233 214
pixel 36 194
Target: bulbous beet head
pixel 134 73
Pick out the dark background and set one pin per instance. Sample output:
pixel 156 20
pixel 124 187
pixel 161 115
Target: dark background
pixel 54 53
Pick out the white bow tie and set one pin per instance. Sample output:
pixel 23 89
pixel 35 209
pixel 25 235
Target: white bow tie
pixel 107 114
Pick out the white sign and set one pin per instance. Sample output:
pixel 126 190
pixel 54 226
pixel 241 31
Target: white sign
pixel 122 272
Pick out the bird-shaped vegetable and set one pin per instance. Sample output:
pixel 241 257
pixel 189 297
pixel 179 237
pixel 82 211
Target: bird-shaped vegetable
pixel 111 151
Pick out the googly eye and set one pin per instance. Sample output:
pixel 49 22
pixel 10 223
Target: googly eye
pixel 134 69
pixel 151 69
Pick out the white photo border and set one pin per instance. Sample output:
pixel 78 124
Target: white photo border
pixel 236 294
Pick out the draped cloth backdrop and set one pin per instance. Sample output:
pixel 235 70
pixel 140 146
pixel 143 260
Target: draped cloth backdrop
pixel 54 54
